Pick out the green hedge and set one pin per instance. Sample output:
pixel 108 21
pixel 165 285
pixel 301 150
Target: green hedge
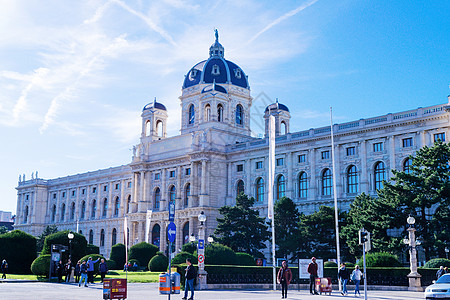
pixel 118 255
pixel 245 259
pixel 19 250
pixel 181 257
pixel 41 265
pixel 111 264
pixel 158 263
pixel 437 263
pixel 92 249
pixel 143 252
pixel 190 247
pixel 380 259
pixel 79 243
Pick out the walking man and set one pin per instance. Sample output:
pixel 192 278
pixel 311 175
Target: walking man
pixel 284 277
pixel 191 273
pixel 4 268
pixel 83 272
pixel 90 269
pixel 103 269
pixel 312 270
pixel 344 277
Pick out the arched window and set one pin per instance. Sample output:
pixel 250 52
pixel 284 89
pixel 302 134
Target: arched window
pixel 186 233
pixel 240 187
pixel 105 207
pixel 281 187
pixel 172 193
pixel 303 185
pixel 407 165
pixel 155 235
pixel 191 114
pixel 72 211
pixel 157 198
pixel 128 203
pixel 53 213
pixel 83 210
pixel 114 237
pixel 93 208
pixel 326 182
pixel 239 115
pixel 207 113
pixel 187 193
pixel 102 238
pixel 260 190
pixel 220 113
pixel 25 214
pixel 63 211
pixel 159 128
pixel 352 180
pixel 379 174
pixel 147 128
pixel 283 128
pixel 91 236
pixel 116 206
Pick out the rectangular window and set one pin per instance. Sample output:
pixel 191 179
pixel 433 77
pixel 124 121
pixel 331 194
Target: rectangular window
pixel 239 168
pixel 326 154
pixel 73 193
pixel 259 165
pixel 54 195
pixel 83 191
pixel 157 176
pixel 64 194
pixel 439 136
pixel 172 174
pixel 188 171
pixel 117 186
pixel 129 184
pixel 407 142
pixel 280 162
pixel 351 151
pixel 377 147
pixel 302 158
pixel 105 188
pixel 94 189
pixel 27 197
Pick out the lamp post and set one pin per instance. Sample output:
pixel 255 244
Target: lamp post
pixel 446 252
pixel 201 251
pixel 413 276
pixel 72 269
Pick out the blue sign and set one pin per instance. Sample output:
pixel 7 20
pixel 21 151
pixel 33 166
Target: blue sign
pixel 172 232
pixel 171 211
pixel 201 244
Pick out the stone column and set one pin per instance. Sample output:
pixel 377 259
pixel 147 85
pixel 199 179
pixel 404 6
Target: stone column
pixel 229 185
pixel 413 276
pixel 203 184
pixel 248 187
pixel 289 179
pixel 178 202
pixel 164 204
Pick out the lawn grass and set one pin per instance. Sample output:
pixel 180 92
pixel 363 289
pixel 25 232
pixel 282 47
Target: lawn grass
pixel 24 277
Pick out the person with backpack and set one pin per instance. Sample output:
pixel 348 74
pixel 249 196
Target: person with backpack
pixel 344 276
pixel 4 268
pixel 356 278
pixel 191 274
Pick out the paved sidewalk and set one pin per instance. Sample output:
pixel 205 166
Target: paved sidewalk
pixel 141 291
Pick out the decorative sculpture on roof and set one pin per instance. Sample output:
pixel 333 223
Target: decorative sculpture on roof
pixel 217 34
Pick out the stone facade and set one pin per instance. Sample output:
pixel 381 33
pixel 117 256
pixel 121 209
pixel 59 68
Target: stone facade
pixel 215 157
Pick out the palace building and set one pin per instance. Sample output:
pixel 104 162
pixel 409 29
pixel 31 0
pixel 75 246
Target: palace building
pixel 215 158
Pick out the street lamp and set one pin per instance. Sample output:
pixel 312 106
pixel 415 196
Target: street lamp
pixel 70 236
pixel 210 239
pixel 414 276
pixel 202 218
pixel 192 238
pixel 201 251
pixel 446 252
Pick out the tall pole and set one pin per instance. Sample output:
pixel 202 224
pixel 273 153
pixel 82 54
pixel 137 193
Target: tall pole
pixel 270 192
pixel 365 275
pixel 336 214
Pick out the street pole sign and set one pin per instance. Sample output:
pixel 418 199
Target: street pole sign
pixel 172 211
pixel 172 232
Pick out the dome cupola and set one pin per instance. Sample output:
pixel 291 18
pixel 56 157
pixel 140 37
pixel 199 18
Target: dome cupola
pixel 216 49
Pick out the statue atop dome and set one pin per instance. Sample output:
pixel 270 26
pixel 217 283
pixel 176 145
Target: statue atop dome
pixel 216 33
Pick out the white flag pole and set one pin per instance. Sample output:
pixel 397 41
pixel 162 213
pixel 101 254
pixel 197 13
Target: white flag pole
pixel 270 192
pixel 336 214
pixel 125 238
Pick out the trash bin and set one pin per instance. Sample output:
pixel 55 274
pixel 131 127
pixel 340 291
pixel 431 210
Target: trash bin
pixel 175 278
pixel 323 285
pixel 164 284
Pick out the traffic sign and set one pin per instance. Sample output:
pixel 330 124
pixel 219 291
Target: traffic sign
pixel 201 258
pixel 172 232
pixel 201 244
pixel 172 211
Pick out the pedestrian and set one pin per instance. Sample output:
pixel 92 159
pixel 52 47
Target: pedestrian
pixel 312 270
pixel 68 270
pixel 446 270
pixel 4 268
pixel 356 277
pixel 90 269
pixel 284 277
pixel 60 270
pixel 440 272
pixel 344 276
pixel 191 274
pixel 77 271
pixel 103 269
pixel 83 273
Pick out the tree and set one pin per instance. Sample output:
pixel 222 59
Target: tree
pixel 241 228
pixel 50 229
pixel 3 229
pixel 118 255
pixel 287 232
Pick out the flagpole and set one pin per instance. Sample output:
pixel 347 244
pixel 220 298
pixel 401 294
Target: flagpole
pixel 336 214
pixel 125 238
pixel 270 192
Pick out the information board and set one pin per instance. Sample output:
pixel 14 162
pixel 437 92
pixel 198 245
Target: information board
pixel 303 268
pixel 114 289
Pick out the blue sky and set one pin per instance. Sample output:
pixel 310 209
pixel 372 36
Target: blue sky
pixel 75 75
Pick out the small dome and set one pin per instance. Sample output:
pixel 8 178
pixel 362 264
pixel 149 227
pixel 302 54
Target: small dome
pixel 156 105
pixel 277 105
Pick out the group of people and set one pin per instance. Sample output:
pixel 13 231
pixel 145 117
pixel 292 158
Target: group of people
pixel 344 276
pixel 85 269
pixel 442 270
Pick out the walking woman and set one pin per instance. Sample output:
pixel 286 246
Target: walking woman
pixel 284 277
pixel 356 277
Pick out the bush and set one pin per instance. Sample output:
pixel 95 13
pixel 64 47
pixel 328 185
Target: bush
pixel 181 257
pixel 79 243
pixel 218 254
pixel 158 263
pixel 94 258
pixel 92 249
pixel 143 252
pixel 380 259
pixel 330 264
pixel 245 259
pixel 41 265
pixel 189 247
pixel 437 262
pixel 118 255
pixel 19 250
pixel 111 264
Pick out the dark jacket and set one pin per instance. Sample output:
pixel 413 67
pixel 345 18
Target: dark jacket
pixel 77 269
pixel 83 269
pixel 312 268
pixel 5 267
pixel 191 272
pixel 439 273
pixel 103 268
pixel 284 275
pixel 343 274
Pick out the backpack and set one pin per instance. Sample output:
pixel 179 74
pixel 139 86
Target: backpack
pixel 353 276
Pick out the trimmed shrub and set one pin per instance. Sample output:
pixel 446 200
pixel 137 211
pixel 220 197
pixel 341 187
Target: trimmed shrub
pixel 79 243
pixel 94 258
pixel 218 254
pixel 190 247
pixel 330 264
pixel 143 252
pixel 380 259
pixel 19 250
pixel 245 259
pixel 92 249
pixel 181 257
pixel 41 265
pixel 158 263
pixel 111 264
pixel 437 263
pixel 118 255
